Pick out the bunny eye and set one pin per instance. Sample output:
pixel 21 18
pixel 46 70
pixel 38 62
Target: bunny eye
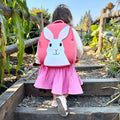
pixel 60 44
pixel 50 45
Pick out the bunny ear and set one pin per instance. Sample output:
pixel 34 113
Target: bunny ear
pixel 48 34
pixel 64 33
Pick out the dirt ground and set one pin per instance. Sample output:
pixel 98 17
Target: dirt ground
pixel 88 58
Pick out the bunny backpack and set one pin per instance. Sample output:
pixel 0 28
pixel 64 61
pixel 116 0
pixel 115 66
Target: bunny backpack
pixel 57 45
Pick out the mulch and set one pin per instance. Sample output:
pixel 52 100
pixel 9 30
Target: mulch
pixel 72 101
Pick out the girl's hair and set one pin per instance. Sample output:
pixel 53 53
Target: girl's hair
pixel 62 13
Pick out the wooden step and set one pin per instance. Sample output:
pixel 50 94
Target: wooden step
pixel 88 67
pixel 76 113
pixel 10 99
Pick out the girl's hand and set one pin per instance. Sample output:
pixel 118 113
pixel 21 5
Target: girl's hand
pixel 77 60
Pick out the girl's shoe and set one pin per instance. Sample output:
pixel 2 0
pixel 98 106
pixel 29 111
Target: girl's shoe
pixel 54 103
pixel 62 105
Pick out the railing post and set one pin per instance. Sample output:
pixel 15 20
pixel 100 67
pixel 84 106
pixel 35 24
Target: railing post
pixel 81 33
pixel 86 23
pixel 102 27
pixel 0 59
pixel 40 17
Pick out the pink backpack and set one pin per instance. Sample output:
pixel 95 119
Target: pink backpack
pixel 57 45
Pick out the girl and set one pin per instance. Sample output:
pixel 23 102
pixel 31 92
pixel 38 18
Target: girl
pixel 61 80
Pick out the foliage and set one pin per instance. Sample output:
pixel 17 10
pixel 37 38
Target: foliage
pixel 35 30
pixel 81 26
pixel 95 31
pixel 20 39
pixel 113 69
pixel 87 38
pixel 110 49
pixel 35 27
pixel 93 27
pixel 46 15
pixel 92 36
pixel 93 43
pixel 2 47
pixel 13 29
pixel 82 21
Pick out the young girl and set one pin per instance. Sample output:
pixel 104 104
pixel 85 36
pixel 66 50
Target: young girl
pixel 61 80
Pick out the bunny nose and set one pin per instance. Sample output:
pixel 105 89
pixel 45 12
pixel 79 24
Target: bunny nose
pixel 56 49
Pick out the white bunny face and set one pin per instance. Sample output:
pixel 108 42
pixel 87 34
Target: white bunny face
pixel 55 51
pixel 55 47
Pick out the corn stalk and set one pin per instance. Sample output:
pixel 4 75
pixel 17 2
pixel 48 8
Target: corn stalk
pixel 20 39
pixel 3 41
pixel 19 30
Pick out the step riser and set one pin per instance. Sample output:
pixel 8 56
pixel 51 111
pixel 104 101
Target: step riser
pixel 89 88
pixel 89 67
pixel 76 113
pixel 96 116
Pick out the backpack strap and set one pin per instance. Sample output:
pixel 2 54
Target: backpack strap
pixel 58 21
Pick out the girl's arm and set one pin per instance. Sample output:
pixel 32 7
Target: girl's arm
pixel 78 44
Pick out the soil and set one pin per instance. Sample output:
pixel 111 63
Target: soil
pixel 89 57
pixel 25 67
pixel 76 101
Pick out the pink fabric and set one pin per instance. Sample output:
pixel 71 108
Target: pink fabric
pixel 61 81
pixel 69 43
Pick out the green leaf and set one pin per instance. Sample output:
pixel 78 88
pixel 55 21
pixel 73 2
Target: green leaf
pixel 95 32
pixel 3 42
pixel 8 66
pixel 22 4
pixel 1 85
pixel 20 39
pixel 2 71
pixel 94 27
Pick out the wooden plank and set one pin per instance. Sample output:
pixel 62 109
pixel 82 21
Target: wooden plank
pixel 102 27
pixel 88 67
pixel 10 99
pixel 76 113
pixel 97 20
pixel 111 14
pixel 108 15
pixel 13 48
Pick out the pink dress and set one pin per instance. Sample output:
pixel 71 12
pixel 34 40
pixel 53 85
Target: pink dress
pixel 61 80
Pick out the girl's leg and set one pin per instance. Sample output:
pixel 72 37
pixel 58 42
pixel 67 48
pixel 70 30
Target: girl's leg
pixel 66 95
pixel 54 97
pixel 54 103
